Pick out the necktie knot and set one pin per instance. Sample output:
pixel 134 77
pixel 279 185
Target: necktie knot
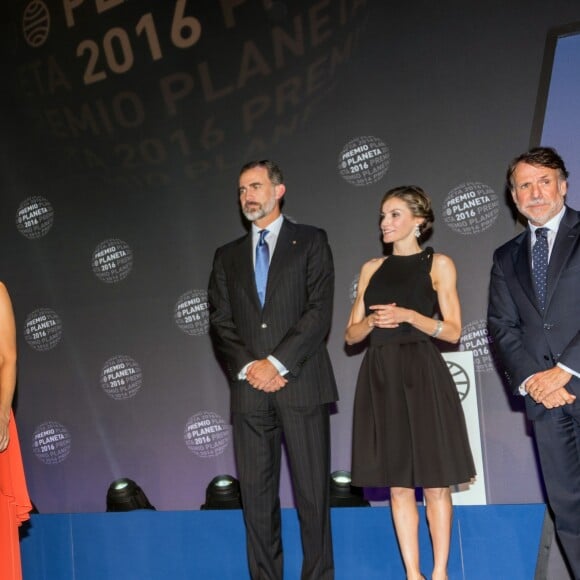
pixel 540 253
pixel 263 234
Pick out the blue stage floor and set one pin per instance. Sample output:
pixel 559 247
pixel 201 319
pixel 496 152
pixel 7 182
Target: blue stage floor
pixel 489 542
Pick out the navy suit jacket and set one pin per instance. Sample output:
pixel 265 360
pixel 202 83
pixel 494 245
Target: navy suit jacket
pixel 293 324
pixel 526 339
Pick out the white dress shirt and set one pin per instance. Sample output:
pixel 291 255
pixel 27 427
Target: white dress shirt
pixel 271 239
pixel 552 227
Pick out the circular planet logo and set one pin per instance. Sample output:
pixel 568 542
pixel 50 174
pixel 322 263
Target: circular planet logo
pixel 35 23
pixel 364 160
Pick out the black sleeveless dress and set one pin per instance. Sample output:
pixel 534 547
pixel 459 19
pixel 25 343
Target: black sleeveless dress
pixel 409 428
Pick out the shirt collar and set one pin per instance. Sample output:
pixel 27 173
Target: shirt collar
pixel 553 224
pixel 274 228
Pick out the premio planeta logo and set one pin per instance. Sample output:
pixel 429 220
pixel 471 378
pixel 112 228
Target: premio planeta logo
pixel 34 217
pixel 191 312
pixel 43 329
pixel 470 208
pixel 51 442
pixel 475 337
pixel 206 434
pixel 364 161
pixel 112 261
pixel 121 377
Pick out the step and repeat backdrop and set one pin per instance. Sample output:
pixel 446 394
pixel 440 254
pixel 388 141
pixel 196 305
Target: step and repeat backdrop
pixel 124 125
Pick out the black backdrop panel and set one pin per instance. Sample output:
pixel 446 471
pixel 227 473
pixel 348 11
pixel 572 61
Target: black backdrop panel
pixel 124 127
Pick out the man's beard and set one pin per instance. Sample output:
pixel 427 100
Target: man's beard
pixel 259 210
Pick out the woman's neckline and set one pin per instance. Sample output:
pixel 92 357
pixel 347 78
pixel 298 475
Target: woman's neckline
pixel 408 255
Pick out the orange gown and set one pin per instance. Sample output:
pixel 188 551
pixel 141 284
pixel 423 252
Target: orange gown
pixel 14 505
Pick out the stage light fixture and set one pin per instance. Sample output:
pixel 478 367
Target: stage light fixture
pixel 125 495
pixel 343 493
pixel 223 493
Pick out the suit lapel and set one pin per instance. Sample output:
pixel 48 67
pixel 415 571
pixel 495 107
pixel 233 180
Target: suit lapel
pixel 245 269
pixel 284 246
pixel 565 242
pixel 523 268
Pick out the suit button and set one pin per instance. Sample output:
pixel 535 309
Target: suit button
pixel 546 357
pixel 263 325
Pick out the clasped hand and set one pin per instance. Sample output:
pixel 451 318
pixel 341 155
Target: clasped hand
pixel 388 315
pixel 547 388
pixel 264 376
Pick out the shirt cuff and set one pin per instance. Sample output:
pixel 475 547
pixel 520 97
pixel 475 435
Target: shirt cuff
pixel 522 387
pixel 279 366
pixel 242 373
pixel 568 370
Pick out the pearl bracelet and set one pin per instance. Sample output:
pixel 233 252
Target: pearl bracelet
pixel 438 329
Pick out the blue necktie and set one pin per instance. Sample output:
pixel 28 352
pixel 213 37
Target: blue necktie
pixel 540 265
pixel 262 265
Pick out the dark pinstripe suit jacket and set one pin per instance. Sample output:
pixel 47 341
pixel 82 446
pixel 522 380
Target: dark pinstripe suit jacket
pixel 526 339
pixel 293 324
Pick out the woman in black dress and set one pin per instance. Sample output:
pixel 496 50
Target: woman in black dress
pixel 409 429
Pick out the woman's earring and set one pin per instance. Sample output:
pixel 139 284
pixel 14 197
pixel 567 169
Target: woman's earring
pixel 417 231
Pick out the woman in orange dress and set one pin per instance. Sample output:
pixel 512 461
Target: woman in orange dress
pixel 14 501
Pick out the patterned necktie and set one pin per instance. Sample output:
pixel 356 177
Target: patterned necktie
pixel 540 265
pixel 262 264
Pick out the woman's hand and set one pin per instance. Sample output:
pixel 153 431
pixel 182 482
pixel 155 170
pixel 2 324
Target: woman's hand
pixel 4 434
pixel 389 315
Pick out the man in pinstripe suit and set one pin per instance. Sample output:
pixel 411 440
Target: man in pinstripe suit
pixel 272 344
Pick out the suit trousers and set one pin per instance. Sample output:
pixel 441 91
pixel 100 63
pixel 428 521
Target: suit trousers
pixel 258 437
pixel 558 438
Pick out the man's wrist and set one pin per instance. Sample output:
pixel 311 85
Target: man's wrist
pixel 568 370
pixel 242 374
pixel 278 365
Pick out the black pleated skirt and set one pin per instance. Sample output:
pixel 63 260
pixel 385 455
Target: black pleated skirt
pixel 409 428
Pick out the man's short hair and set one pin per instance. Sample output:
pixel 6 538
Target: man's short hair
pixel 274 172
pixel 539 156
